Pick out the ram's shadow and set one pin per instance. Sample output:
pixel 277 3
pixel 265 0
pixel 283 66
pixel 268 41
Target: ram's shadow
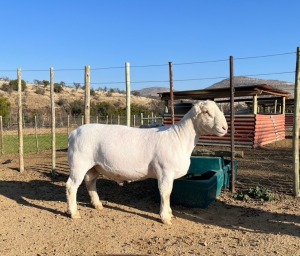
pixel 143 196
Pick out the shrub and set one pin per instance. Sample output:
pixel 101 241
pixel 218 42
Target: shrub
pixel 13 86
pixel 57 88
pixel 108 94
pixel 40 91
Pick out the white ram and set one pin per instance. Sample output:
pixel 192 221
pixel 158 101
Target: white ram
pixel 123 153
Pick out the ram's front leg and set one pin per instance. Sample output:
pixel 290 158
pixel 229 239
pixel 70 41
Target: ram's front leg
pixel 165 185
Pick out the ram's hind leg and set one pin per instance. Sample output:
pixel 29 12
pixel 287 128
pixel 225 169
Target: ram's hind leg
pixel 71 189
pixel 90 182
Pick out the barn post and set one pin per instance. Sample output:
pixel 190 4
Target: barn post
pixel 171 92
pixel 296 127
pixel 283 106
pixel 142 119
pixel 20 116
pixel 275 107
pixel 53 123
pixel 255 104
pixel 87 98
pixel 166 106
pixel 128 92
pixel 232 130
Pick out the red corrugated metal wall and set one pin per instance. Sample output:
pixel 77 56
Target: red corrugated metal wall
pixel 250 130
pixel 269 128
pixel 289 121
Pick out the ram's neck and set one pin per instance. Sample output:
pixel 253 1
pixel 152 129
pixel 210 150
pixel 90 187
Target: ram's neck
pixel 186 133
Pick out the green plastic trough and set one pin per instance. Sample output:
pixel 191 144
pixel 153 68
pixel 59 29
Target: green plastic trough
pixel 206 178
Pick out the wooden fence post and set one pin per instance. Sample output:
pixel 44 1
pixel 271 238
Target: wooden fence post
pixel 171 92
pixel 232 115
pixel 87 98
pixel 128 92
pixel 36 137
pixel 20 123
pixel 53 123
pixel 1 134
pixel 296 127
pixel 68 124
pixel 142 119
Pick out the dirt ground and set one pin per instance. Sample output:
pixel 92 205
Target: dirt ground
pixel 33 219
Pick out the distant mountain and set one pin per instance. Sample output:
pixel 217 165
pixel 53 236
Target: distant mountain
pixel 246 81
pixel 152 91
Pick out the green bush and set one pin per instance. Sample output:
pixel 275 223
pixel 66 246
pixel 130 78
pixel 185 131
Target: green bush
pixel 257 193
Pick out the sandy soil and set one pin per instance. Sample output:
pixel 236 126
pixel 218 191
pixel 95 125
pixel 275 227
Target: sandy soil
pixel 33 219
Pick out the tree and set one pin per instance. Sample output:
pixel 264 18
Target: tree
pixel 46 83
pixel 103 109
pixel 77 107
pixel 62 83
pixel 76 85
pixel 92 92
pixel 4 107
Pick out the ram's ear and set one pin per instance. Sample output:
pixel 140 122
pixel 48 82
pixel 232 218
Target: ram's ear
pixel 197 109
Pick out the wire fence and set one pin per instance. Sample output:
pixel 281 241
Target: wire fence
pixel 263 166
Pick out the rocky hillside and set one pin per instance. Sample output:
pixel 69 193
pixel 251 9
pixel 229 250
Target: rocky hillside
pixel 37 97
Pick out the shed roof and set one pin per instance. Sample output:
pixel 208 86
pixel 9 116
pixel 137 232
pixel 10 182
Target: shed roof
pixel 218 93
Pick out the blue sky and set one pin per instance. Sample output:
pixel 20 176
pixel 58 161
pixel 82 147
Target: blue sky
pixel 69 34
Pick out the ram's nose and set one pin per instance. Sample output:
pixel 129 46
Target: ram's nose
pixel 225 128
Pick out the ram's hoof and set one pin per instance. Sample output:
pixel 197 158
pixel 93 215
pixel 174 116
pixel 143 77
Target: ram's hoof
pixel 99 207
pixel 167 222
pixel 75 216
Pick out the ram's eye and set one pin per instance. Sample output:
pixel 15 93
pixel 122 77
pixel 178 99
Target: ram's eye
pixel 206 112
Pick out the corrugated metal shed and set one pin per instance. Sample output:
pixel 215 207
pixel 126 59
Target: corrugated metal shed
pixel 251 130
pixel 218 93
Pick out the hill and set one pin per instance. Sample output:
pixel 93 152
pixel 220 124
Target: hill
pixel 246 81
pixel 152 91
